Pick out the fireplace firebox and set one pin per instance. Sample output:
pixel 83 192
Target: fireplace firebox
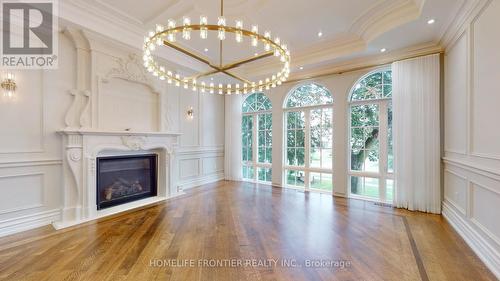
pixel 122 179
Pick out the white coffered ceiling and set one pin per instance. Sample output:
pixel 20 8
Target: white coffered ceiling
pixel 352 29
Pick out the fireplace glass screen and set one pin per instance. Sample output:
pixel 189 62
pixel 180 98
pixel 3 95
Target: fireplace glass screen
pixel 123 179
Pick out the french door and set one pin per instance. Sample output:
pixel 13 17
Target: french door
pixel 257 146
pixel 371 173
pixel 308 140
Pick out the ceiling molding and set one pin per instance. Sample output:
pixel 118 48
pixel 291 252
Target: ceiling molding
pixel 318 53
pixel 77 37
pixel 384 17
pixel 175 11
pixel 235 8
pixel 468 10
pixel 366 62
pixel 92 9
pixel 128 17
pixel 78 16
pixel 377 20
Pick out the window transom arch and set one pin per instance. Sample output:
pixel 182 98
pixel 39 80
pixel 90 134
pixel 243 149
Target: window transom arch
pixel 256 102
pixel 308 137
pixel 256 133
pixel 374 85
pixel 310 94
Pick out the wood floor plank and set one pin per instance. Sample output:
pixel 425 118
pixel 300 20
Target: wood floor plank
pixel 244 222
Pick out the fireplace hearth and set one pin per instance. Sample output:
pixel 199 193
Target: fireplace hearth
pixel 123 179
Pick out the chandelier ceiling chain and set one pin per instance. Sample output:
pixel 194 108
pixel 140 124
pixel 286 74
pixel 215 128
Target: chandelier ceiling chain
pixel 166 36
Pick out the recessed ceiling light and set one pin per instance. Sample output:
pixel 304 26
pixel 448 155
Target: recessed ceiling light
pixel 256 54
pixel 383 50
pixel 301 67
pixel 206 49
pixel 212 79
pixel 431 21
pixel 320 34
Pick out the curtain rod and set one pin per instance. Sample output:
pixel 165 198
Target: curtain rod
pixel 361 67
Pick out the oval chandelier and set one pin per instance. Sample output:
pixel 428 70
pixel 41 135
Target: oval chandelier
pixel 167 36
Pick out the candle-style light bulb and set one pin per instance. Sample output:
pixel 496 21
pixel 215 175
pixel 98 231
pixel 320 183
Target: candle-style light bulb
pixel 203 30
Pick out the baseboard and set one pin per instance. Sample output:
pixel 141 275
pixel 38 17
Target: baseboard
pixel 484 249
pixel 201 181
pixel 28 222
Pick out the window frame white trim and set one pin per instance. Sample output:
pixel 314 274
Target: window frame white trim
pixel 255 145
pixel 307 141
pixel 383 174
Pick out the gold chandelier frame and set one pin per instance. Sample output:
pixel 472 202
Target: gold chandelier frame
pixel 275 47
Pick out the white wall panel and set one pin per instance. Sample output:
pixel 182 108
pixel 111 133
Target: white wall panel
pixel 189 168
pixel 128 105
pixel 472 164
pixel 213 164
pixel 486 91
pixel 484 209
pixel 190 128
pixel 21 126
pixel 456 97
pixel 455 190
pixel 21 192
pixel 212 112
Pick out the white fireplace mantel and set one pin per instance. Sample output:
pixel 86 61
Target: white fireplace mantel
pixel 81 148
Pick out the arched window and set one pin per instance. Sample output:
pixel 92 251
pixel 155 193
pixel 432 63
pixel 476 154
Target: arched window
pixel 309 138
pixel 371 158
pixel 256 129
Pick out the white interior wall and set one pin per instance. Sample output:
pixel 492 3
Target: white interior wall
pixel 31 181
pixel 472 150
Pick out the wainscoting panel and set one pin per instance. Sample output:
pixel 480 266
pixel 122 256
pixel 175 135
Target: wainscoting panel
pixel 213 165
pixel 31 195
pixel 478 225
pixel 189 168
pixel 200 166
pixel 455 190
pixel 21 192
pixel 485 218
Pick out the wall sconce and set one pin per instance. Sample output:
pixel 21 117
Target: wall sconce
pixel 190 113
pixel 9 85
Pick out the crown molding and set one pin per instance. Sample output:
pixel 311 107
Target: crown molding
pixel 77 37
pixel 468 10
pixel 368 62
pixel 126 16
pixel 98 24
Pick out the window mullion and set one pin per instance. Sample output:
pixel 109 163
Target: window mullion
pixel 307 146
pixel 255 143
pixel 383 123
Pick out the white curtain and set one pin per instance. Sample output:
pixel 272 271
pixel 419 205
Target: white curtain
pixel 416 108
pixel 232 151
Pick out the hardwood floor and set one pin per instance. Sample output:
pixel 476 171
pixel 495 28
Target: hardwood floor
pixel 233 222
